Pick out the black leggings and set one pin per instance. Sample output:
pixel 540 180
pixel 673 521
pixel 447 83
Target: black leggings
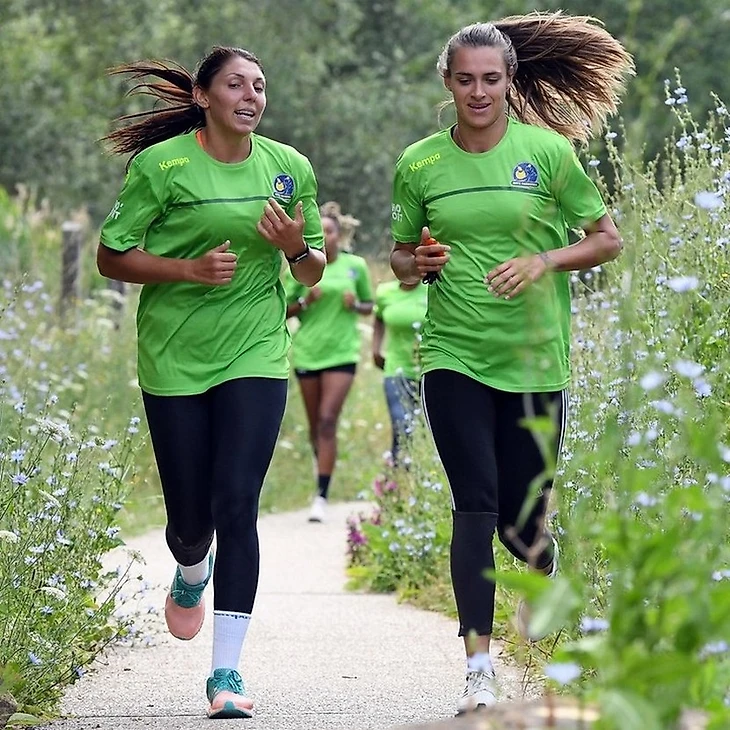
pixel 490 460
pixel 213 451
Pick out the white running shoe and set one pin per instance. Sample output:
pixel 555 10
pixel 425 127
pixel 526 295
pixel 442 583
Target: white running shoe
pixel 480 691
pixel 317 510
pixel 524 614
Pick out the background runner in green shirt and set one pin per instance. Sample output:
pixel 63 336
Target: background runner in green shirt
pixel 206 212
pixel 400 309
pixel 487 205
pixel 326 346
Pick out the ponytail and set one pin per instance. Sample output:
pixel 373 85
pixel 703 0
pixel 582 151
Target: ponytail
pixel 568 72
pixel 180 115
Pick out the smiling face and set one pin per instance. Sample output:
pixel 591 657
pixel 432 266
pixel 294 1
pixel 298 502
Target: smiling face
pixel 235 99
pixel 478 81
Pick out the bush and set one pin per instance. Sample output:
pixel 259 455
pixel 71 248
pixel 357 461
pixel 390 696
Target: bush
pixel 62 483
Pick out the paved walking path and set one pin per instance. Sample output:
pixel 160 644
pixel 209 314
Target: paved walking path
pixel 316 656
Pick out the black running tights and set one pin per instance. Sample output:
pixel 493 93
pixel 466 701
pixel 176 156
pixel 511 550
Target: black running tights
pixel 213 451
pixel 491 459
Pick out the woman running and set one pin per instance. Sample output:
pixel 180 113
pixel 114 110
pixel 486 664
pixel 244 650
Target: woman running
pixel 206 213
pixel 483 209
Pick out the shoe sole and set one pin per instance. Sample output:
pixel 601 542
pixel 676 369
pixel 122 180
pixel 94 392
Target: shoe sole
pixel 230 712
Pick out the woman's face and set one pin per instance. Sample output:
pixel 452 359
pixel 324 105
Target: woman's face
pixel 236 98
pixel 331 237
pixel 478 82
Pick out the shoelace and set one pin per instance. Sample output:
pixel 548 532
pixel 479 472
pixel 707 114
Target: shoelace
pixel 478 681
pixel 229 681
pixel 185 595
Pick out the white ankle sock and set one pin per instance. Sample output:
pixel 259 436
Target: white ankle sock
pixel 194 574
pixel 479 662
pixel 229 631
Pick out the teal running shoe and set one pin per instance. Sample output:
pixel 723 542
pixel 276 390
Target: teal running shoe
pixel 227 696
pixel 185 606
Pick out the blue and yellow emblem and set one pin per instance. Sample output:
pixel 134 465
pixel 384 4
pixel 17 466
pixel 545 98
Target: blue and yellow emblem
pixel 525 175
pixel 283 188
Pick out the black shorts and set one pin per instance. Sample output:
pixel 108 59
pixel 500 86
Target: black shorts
pixel 349 367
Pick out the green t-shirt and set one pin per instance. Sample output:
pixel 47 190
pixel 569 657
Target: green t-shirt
pixel 328 334
pixel 402 311
pixel 179 202
pixel 519 198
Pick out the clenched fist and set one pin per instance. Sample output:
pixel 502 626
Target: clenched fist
pixel 215 268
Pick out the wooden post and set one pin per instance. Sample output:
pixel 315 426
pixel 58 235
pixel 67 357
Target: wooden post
pixel 8 707
pixel 72 244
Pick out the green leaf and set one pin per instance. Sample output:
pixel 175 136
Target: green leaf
pixel 553 610
pixel 22 719
pixel 530 585
pixel 627 711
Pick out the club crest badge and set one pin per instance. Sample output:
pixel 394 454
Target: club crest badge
pixel 525 175
pixel 283 188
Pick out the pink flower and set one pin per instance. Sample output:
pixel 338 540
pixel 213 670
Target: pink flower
pixel 378 485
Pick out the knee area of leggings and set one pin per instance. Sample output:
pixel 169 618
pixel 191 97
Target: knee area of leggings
pixel 327 427
pixel 475 523
pixel 188 549
pixel 235 512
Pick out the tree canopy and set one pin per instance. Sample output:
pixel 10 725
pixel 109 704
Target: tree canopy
pixel 350 82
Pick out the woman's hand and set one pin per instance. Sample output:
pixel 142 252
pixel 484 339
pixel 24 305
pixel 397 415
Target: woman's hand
pixel 312 295
pixel 431 256
pixel 280 230
pixel 514 276
pixel 349 300
pixel 215 268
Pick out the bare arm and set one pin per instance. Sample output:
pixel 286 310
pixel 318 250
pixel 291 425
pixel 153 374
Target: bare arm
pixel 403 263
pixel 602 243
pixel 139 267
pixel 296 308
pixel 309 271
pixel 378 337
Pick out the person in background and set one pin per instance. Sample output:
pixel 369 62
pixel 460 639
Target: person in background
pixel 400 309
pixel 483 208
pixel 206 214
pixel 326 346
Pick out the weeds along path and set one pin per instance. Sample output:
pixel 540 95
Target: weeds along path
pixel 316 655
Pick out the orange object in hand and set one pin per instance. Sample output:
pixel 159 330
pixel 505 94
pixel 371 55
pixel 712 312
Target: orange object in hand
pixel 431 276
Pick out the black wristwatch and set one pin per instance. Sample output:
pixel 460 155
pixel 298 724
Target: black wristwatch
pixel 298 257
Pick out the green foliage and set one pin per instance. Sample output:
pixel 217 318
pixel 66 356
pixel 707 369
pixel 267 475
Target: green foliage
pixel 62 482
pixel 351 82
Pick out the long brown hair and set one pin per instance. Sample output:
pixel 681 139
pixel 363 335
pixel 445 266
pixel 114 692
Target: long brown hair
pixel 174 87
pixel 568 72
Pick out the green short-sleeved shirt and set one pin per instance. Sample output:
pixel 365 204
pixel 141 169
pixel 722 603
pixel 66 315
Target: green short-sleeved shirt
pixel 179 202
pixel 402 311
pixel 328 333
pixel 519 198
